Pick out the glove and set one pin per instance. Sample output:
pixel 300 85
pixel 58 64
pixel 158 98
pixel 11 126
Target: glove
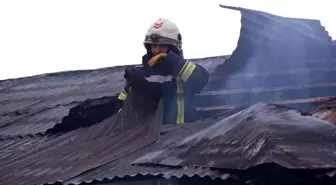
pixel 156 59
pixel 133 78
pixel 129 71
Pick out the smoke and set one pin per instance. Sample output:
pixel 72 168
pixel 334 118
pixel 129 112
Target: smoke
pixel 276 59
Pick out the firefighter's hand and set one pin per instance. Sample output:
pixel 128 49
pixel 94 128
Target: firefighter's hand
pixel 156 59
pixel 129 71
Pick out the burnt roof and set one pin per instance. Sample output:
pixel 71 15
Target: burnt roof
pixel 263 69
pixel 48 132
pixel 36 104
pixel 260 134
pixel 276 59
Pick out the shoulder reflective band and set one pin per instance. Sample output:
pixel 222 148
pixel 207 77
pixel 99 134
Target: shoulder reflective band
pixel 159 78
pixel 122 95
pixel 186 71
pixel 180 102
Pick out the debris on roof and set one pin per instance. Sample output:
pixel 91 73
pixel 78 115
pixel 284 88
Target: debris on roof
pixel 261 134
pixel 327 111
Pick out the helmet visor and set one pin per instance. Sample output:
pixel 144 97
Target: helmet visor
pixel 158 39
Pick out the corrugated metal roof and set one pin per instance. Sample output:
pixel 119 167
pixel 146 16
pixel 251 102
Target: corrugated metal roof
pixel 261 134
pixel 258 70
pixel 37 104
pixel 75 154
pixel 276 59
pixel 96 153
pixel 263 67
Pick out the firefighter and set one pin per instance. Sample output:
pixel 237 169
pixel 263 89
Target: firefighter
pixel 170 76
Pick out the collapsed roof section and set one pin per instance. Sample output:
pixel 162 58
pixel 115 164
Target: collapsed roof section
pixel 56 102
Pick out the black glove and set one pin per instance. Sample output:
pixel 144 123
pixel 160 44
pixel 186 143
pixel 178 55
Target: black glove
pixel 129 72
pixel 135 80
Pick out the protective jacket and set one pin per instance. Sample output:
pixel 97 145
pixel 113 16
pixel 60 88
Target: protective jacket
pixel 178 80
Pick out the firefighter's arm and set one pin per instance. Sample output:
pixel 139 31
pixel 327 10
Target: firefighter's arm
pixel 194 76
pixel 135 79
pixel 123 94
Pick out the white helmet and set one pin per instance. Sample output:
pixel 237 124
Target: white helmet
pixel 164 31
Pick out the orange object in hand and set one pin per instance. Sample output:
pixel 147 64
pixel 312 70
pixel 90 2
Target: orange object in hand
pixel 156 59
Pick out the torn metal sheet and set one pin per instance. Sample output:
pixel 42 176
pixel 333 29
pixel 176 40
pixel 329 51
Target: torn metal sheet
pixel 327 111
pixel 52 158
pixel 265 67
pixel 37 104
pixel 264 133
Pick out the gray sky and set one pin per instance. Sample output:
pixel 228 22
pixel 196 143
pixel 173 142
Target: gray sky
pixel 42 36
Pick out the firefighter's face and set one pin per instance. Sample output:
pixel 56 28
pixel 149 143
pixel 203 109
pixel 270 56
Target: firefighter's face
pixel 157 48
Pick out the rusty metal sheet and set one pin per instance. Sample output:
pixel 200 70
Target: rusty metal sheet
pixel 123 167
pixel 51 158
pixel 98 152
pixel 326 111
pixel 263 133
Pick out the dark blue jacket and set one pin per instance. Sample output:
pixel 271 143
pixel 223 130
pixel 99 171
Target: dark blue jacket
pixel 179 80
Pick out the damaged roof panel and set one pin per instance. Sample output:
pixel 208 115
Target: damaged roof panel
pixel 36 123
pixel 97 152
pixel 276 59
pixel 326 111
pixel 34 105
pixel 307 27
pixel 41 101
pixel 249 76
pixel 260 134
pixel 86 155
pixel 76 154
pixel 66 156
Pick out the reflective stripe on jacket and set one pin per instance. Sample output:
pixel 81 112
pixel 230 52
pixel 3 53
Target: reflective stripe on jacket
pixel 179 80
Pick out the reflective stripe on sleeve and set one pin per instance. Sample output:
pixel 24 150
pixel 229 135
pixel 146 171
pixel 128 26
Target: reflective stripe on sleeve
pixel 186 71
pixel 122 95
pixel 180 102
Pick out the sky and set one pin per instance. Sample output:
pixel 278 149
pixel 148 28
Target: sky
pixel 44 36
